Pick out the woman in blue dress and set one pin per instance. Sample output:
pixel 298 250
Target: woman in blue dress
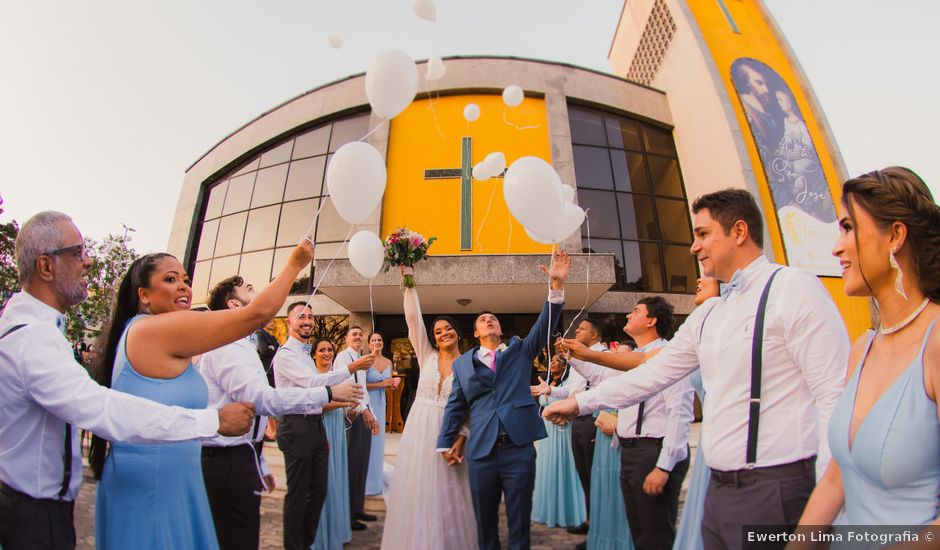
pixel 609 528
pixel 153 496
pixel 378 377
pixel 334 528
pixel 884 432
pixel 558 500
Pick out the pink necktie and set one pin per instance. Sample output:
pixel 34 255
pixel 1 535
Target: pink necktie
pixel 493 361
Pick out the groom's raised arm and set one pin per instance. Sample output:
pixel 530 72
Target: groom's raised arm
pixel 551 311
pixel 454 415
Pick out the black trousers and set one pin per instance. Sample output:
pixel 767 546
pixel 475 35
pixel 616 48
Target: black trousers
pixel 306 460
pixel 508 471
pixel 234 488
pixel 28 523
pixel 582 445
pixel 763 496
pixel 360 444
pixel 652 518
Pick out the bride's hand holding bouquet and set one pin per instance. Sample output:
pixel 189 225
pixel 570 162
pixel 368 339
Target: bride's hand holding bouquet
pixel 404 248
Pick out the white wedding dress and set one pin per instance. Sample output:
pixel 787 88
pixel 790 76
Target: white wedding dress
pixel 429 503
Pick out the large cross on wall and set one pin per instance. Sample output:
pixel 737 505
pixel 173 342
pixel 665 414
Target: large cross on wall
pixel 465 173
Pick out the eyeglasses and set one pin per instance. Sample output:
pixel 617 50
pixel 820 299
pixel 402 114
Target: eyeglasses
pixel 78 250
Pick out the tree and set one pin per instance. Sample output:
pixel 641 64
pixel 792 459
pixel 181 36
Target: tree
pixel 9 279
pixel 110 260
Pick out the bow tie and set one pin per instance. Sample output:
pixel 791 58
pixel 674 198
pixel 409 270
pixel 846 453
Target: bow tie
pixel 307 348
pixel 735 283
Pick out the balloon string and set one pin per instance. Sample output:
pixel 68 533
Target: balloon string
pixel 371 307
pixel 517 127
pixel 431 103
pixel 372 131
pixel 509 241
pixel 325 271
pixel 587 281
pixel 485 216
pixel 316 216
pixel 548 328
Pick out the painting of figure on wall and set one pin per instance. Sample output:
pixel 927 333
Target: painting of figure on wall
pixel 800 192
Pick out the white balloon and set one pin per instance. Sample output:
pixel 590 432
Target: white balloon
pixel 471 112
pixel 480 171
pixel 497 162
pixel 391 83
pixel 436 69
pixel 356 180
pixel 536 238
pixel 568 193
pixel 425 9
pixel 513 96
pixel 335 41
pixel 532 190
pixel 571 219
pixel 366 253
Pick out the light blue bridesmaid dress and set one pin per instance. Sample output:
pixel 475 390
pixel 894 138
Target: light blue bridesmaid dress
pixel 153 496
pixel 609 528
pixel 891 473
pixel 558 500
pixel 334 528
pixel 689 532
pixel 375 480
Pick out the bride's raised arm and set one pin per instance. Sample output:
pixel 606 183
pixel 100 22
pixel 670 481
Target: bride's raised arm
pixel 417 333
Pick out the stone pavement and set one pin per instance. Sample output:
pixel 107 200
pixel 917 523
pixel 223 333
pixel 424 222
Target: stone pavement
pixel 543 538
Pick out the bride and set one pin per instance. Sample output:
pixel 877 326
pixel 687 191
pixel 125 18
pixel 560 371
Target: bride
pixel 429 505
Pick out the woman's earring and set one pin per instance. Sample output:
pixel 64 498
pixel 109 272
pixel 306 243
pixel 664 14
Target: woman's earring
pixel 899 280
pixel 147 308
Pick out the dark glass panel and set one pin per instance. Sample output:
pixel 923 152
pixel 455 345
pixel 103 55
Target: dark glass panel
pixel 629 171
pixel 680 269
pixel 664 173
pixel 602 214
pixel 674 220
pixel 587 127
pixel 622 133
pixel 592 167
pixel 658 141
pixel 636 217
pixel 608 246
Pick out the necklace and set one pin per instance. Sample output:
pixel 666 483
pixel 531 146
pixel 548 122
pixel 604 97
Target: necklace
pixel 910 318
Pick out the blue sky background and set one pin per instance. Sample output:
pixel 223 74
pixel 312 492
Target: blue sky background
pixel 104 104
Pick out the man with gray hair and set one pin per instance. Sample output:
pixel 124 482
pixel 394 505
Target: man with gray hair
pixel 44 394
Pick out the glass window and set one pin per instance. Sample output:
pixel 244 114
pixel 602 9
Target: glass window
pixel 633 266
pixel 658 141
pixel 238 197
pixel 629 171
pixel 279 154
pixel 296 218
pixel 255 268
pixel 222 268
pixel 330 227
pixel 207 239
pixel 652 267
pixel 636 217
pixel 602 215
pixel 680 269
pixel 250 167
pixel 674 220
pixel 622 133
pixel 216 198
pixel 262 226
pixel 269 187
pixel 664 173
pixel 592 167
pixel 350 129
pixel 305 178
pixel 587 127
pixel 201 281
pixel 314 142
pixel 331 250
pixel 280 260
pixel 231 231
pixel 601 246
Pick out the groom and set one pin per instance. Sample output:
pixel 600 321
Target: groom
pixel 494 385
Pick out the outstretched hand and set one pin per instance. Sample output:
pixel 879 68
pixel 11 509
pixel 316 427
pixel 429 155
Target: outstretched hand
pixel 558 270
pixel 541 389
pixel 574 347
pixel 560 412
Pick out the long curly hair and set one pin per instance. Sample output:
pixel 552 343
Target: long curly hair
pixel 897 194
pixel 126 306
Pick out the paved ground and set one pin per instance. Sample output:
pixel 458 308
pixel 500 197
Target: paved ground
pixel 543 538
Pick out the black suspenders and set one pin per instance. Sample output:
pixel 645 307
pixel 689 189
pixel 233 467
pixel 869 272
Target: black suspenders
pixel 757 350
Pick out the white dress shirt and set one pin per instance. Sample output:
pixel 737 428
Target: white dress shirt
pixel 667 414
pixel 584 375
pixel 295 368
pixel 341 365
pixel 42 388
pixel 805 352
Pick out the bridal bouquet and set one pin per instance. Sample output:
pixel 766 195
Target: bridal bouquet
pixel 404 247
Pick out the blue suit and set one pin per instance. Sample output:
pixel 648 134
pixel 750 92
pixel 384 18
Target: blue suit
pixel 500 403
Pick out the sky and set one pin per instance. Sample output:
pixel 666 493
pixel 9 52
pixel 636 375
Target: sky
pixel 104 104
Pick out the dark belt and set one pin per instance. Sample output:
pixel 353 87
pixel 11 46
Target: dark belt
pixel 638 441
pixel 304 417
pixel 748 476
pixel 10 492
pixel 503 439
pixel 232 450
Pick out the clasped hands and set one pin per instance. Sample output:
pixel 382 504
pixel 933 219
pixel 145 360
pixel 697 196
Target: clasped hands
pixel 454 455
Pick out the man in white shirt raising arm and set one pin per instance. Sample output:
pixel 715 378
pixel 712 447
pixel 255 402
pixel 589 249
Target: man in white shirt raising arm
pixel 233 466
pixel 45 395
pixel 759 476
